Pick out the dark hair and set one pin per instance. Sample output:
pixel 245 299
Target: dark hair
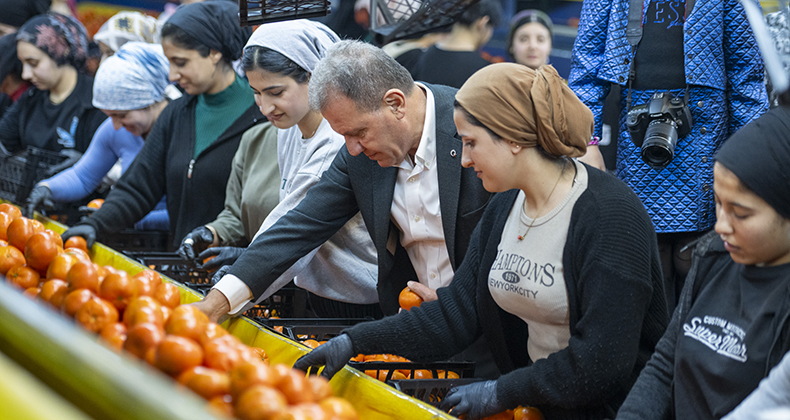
pixel 256 57
pixel 474 121
pixel 522 18
pixel 181 39
pixel 481 9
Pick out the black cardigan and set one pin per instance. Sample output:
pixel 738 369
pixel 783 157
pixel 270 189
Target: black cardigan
pixel 195 191
pixel 617 309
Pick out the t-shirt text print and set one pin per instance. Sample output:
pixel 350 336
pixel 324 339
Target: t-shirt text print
pixel 527 276
pixel 669 13
pixel 720 335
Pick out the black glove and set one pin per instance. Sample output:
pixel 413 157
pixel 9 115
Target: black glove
pixel 72 156
pixel 334 354
pixel 197 240
pixel 219 274
pixel 86 231
pixel 41 196
pixel 476 400
pixel 225 255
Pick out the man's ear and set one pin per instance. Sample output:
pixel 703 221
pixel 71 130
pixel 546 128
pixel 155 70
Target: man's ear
pixel 482 23
pixel 395 102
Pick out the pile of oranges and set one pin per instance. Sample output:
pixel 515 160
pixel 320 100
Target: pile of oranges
pixel 143 316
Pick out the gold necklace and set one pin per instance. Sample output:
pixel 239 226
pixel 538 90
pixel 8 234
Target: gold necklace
pixel 521 237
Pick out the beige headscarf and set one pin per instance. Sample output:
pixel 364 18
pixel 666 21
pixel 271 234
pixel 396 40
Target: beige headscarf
pixel 529 107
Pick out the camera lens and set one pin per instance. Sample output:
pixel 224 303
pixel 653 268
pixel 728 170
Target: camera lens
pixel 658 148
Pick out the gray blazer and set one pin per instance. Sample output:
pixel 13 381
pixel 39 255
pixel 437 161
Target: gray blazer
pixel 358 184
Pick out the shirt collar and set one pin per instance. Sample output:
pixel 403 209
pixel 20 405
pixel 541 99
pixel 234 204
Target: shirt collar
pixel 426 151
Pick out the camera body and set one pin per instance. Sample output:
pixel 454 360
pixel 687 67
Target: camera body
pixel 656 126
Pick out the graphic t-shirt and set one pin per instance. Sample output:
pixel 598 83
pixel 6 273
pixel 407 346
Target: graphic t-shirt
pixel 659 61
pixel 527 277
pixel 721 355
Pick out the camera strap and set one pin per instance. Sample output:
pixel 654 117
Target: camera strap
pixel 633 33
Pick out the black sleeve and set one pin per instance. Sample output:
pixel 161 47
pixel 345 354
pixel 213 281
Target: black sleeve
pixel 141 187
pixel 9 128
pixel 324 210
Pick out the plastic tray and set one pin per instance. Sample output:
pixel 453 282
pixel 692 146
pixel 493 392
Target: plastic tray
pixel 136 240
pixel 19 173
pixel 377 369
pixel 431 391
pixel 318 329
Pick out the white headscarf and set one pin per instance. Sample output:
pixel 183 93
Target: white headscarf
pixel 302 41
pixel 134 78
pixel 128 27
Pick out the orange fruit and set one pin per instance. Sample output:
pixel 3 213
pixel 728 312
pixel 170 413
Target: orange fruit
pixel 527 413
pixel 338 409
pixel 40 250
pixel 176 354
pixel 96 314
pixel 23 276
pixel 54 291
pixel 96 203
pixel 259 402
pixel 77 242
pixel 408 299
pixel 19 231
pixel 10 210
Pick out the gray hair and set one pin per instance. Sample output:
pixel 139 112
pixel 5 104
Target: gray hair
pixel 360 71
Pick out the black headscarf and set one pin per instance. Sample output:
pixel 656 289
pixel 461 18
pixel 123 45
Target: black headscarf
pixel 215 24
pixel 9 63
pixel 16 12
pixel 757 155
pixel 61 37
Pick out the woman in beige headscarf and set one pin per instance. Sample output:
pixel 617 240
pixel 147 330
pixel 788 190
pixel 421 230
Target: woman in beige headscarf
pixel 561 276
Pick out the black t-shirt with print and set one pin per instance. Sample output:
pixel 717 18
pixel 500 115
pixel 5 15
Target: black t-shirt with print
pixel 723 349
pixel 659 61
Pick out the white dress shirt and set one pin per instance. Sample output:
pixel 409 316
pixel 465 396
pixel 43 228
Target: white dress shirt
pixel 416 210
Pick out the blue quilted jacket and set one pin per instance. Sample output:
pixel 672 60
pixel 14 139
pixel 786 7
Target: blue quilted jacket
pixel 724 71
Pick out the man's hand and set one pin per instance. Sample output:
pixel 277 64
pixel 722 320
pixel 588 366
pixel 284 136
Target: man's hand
pixel 594 158
pixel 223 255
pixel 426 293
pixel 476 400
pixel 333 355
pixel 214 305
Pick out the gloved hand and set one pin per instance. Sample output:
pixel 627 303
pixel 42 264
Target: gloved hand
pixel 196 241
pixel 225 255
pixel 41 196
pixel 219 274
pixel 476 400
pixel 334 354
pixel 86 231
pixel 72 156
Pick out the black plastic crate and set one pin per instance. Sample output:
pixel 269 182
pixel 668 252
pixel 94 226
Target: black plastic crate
pixel 384 370
pixel 288 302
pixel 20 173
pixel 431 391
pixel 171 265
pixel 139 241
pixel 257 12
pixel 319 329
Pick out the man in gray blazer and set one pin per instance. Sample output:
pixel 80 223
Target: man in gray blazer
pixel 401 169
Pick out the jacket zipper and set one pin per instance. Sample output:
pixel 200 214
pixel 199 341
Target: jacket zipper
pixel 191 166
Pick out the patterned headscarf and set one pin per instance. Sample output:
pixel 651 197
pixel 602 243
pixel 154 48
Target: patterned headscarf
pixel 62 38
pixel 529 107
pixel 135 77
pixel 128 27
